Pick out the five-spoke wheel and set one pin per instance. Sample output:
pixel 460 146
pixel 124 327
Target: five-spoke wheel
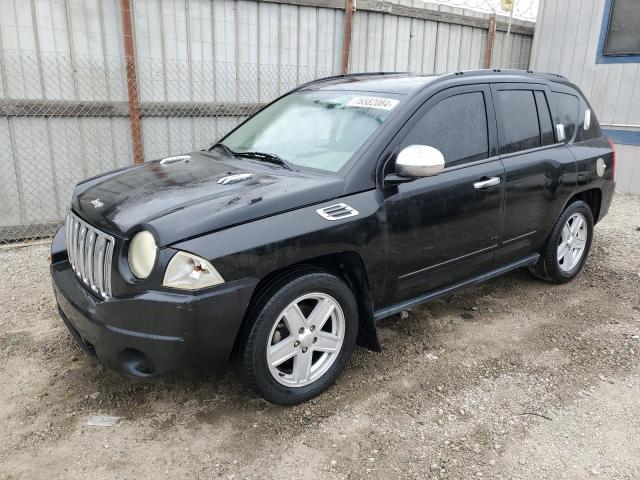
pixel 567 247
pixel 572 242
pixel 300 337
pixel 306 339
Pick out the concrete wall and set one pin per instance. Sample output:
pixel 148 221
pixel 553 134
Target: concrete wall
pixel 567 39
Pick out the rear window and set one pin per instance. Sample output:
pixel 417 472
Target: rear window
pixel 519 119
pixel 567 107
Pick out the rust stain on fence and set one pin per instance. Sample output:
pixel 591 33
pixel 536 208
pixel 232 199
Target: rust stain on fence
pixel 346 41
pixel 491 34
pixel 132 81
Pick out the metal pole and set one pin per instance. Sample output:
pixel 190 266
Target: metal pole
pixel 491 34
pixel 506 45
pixel 132 82
pixel 346 39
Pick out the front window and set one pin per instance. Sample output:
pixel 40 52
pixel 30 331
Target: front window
pixel 314 129
pixel 457 126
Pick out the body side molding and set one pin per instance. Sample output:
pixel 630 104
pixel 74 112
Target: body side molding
pixel 414 302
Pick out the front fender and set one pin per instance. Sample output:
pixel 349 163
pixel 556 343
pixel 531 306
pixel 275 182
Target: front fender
pixel 257 248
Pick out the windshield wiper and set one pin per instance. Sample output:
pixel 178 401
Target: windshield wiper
pixel 266 157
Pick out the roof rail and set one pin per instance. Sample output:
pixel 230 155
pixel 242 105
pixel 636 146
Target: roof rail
pixel 347 75
pixel 548 74
pixel 447 75
pixel 510 71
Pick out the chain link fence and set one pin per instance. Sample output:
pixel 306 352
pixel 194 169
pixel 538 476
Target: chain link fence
pixel 74 114
pixel 64 120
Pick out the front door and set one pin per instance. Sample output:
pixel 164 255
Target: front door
pixel 445 228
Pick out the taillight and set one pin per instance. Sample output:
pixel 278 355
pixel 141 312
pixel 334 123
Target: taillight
pixel 613 158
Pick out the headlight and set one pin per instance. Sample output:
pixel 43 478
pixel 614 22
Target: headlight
pixel 142 254
pixel 190 272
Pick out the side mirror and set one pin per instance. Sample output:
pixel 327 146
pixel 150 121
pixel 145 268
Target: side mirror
pixel 417 161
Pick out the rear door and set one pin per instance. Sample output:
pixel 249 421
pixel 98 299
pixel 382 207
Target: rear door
pixel 540 172
pixel 444 228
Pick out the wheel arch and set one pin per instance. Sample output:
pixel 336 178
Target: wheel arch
pixel 592 197
pixel 346 265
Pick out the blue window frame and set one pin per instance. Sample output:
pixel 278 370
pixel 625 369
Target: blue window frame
pixel 601 55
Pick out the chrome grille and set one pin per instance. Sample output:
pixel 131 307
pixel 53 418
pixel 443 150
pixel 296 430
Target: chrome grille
pixel 90 253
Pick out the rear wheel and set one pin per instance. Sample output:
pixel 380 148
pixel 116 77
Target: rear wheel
pixel 301 338
pixel 567 248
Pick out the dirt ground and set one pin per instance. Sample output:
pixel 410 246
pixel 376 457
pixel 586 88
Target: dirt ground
pixel 513 379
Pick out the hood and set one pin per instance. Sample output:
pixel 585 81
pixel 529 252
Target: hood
pixel 182 197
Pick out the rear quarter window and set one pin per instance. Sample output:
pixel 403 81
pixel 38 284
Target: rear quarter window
pixel 594 130
pixel 567 109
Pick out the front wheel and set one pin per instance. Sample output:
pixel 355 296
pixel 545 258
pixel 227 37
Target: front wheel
pixel 301 338
pixel 566 249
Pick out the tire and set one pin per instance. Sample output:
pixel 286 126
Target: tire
pixel 555 267
pixel 310 366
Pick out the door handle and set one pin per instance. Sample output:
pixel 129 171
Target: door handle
pixel 490 182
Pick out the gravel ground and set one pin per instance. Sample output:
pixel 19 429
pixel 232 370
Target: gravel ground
pixel 513 379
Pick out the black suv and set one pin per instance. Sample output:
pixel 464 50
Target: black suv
pixel 345 201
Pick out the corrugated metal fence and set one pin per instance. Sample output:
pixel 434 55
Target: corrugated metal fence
pixel 613 89
pixel 201 66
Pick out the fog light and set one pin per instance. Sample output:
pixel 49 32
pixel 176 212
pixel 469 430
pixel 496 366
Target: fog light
pixel 136 363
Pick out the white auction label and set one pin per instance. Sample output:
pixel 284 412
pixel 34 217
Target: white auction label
pixel 373 102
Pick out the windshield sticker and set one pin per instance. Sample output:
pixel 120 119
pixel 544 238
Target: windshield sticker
pixel 373 102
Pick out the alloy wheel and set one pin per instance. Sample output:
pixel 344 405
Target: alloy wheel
pixel 572 242
pixel 305 339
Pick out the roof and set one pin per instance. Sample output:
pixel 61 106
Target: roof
pixel 405 83
pixel 380 82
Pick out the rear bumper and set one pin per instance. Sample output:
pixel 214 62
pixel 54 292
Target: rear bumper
pixel 154 334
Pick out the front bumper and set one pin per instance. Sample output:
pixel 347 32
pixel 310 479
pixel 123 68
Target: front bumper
pixel 155 333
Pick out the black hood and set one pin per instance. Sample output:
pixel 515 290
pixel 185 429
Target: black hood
pixel 182 198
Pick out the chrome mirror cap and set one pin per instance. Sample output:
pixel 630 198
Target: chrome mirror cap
pixel 419 161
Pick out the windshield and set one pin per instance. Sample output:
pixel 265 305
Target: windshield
pixel 318 129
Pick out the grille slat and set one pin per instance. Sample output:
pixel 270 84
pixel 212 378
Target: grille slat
pixel 90 254
pixel 72 248
pixel 99 272
pixel 91 243
pixel 82 236
pixel 107 269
